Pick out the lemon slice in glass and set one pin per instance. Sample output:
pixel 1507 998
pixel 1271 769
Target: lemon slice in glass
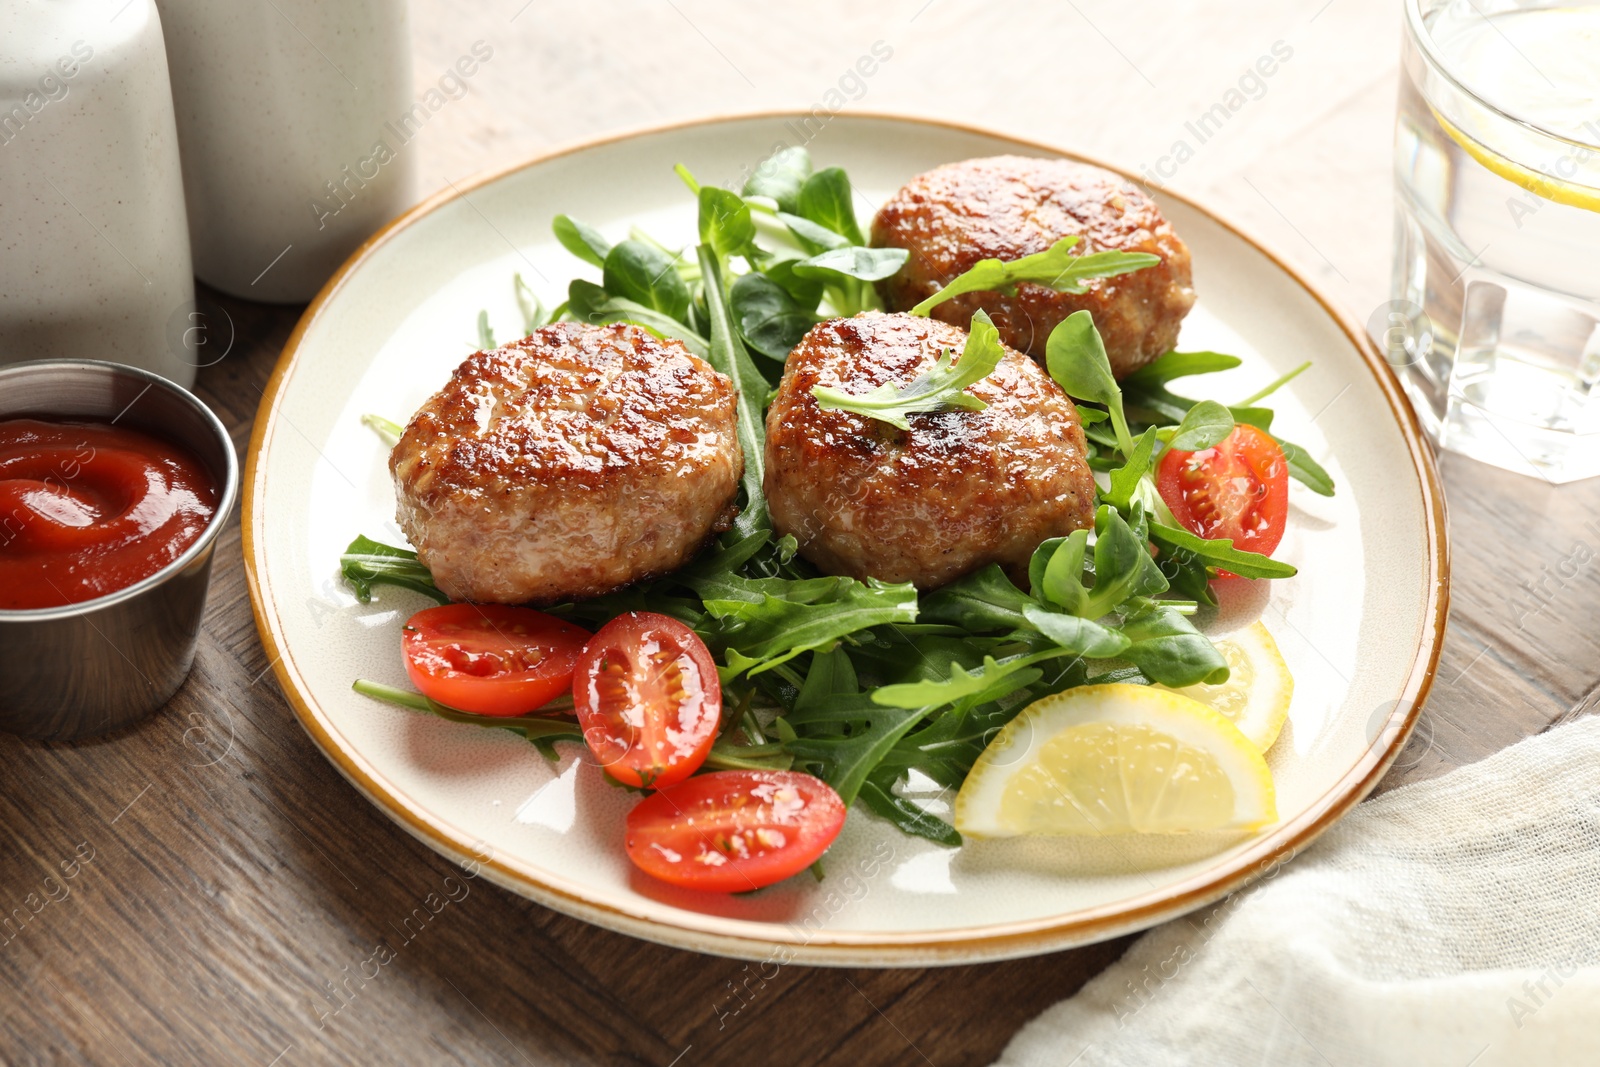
pixel 1114 759
pixel 1255 698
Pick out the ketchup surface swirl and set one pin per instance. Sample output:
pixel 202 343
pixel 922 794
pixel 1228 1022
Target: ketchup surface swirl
pixel 87 509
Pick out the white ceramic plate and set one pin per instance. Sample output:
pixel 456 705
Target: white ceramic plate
pixel 1360 626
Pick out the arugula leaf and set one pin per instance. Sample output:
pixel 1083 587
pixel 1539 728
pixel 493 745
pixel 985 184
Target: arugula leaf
pixel 588 302
pixel 727 756
pixel 1276 384
pixel 769 621
pixel 725 222
pixel 366 563
pixel 981 602
pixel 729 356
pixel 1056 267
pixel 852 263
pixel 1204 426
pixel 990 681
pixel 485 334
pixel 780 176
pixel 1165 368
pixel 1304 469
pixel 827 200
pixel 906 815
pixel 1218 552
pixel 770 319
pixel 644 274
pixel 585 242
pixel 725 558
pixel 946 747
pixel 831 703
pixel 1079 636
pixel 1076 358
pixel 540 729
pixel 1169 650
pixel 944 385
pixel 1126 479
pixel 1167 407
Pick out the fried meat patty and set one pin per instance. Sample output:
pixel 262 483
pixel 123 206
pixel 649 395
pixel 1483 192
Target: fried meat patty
pixel 960 490
pixel 1007 207
pixel 567 464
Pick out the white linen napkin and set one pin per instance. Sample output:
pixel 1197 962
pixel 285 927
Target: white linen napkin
pixel 1452 922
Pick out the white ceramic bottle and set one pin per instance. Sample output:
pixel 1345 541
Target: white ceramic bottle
pixel 284 113
pixel 94 247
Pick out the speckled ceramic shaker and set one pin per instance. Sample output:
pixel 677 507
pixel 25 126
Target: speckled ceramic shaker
pixel 287 118
pixel 94 246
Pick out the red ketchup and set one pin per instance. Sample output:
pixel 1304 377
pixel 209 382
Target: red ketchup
pixel 87 509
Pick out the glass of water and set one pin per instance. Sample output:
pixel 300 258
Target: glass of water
pixel 1494 325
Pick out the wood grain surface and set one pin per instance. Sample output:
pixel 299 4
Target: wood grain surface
pixel 205 889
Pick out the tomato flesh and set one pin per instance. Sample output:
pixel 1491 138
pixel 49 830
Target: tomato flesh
pixel 648 698
pixel 732 831
pixel 1237 489
pixel 491 659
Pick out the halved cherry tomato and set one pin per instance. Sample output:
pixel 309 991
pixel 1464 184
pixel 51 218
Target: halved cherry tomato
pixel 731 831
pixel 648 698
pixel 491 659
pixel 1238 488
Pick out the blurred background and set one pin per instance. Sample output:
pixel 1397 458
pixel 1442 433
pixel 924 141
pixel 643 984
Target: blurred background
pixel 1123 81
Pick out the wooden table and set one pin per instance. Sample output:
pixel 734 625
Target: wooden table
pixel 231 875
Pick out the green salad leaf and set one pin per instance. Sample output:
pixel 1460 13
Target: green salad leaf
pixel 644 274
pixel 769 621
pixel 1203 426
pixel 771 320
pixel 1076 358
pixel 367 563
pixel 1219 553
pixel 389 432
pixel 1168 649
pixel 725 222
pixel 812 236
pixel 843 734
pixel 941 386
pixel 1056 268
pixel 583 241
pixel 728 354
pixel 826 198
pixel 852 262
pixel 1157 373
pixel 779 178
pixel 588 302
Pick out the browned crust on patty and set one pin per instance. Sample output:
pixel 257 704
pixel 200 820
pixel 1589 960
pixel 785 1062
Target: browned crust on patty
pixel 1006 207
pixel 567 464
pixel 959 490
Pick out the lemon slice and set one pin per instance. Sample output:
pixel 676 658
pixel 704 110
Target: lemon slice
pixel 1255 698
pixel 1112 759
pixel 1537 183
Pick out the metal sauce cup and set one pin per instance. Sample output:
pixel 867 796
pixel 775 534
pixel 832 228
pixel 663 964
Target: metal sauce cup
pixel 87 668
